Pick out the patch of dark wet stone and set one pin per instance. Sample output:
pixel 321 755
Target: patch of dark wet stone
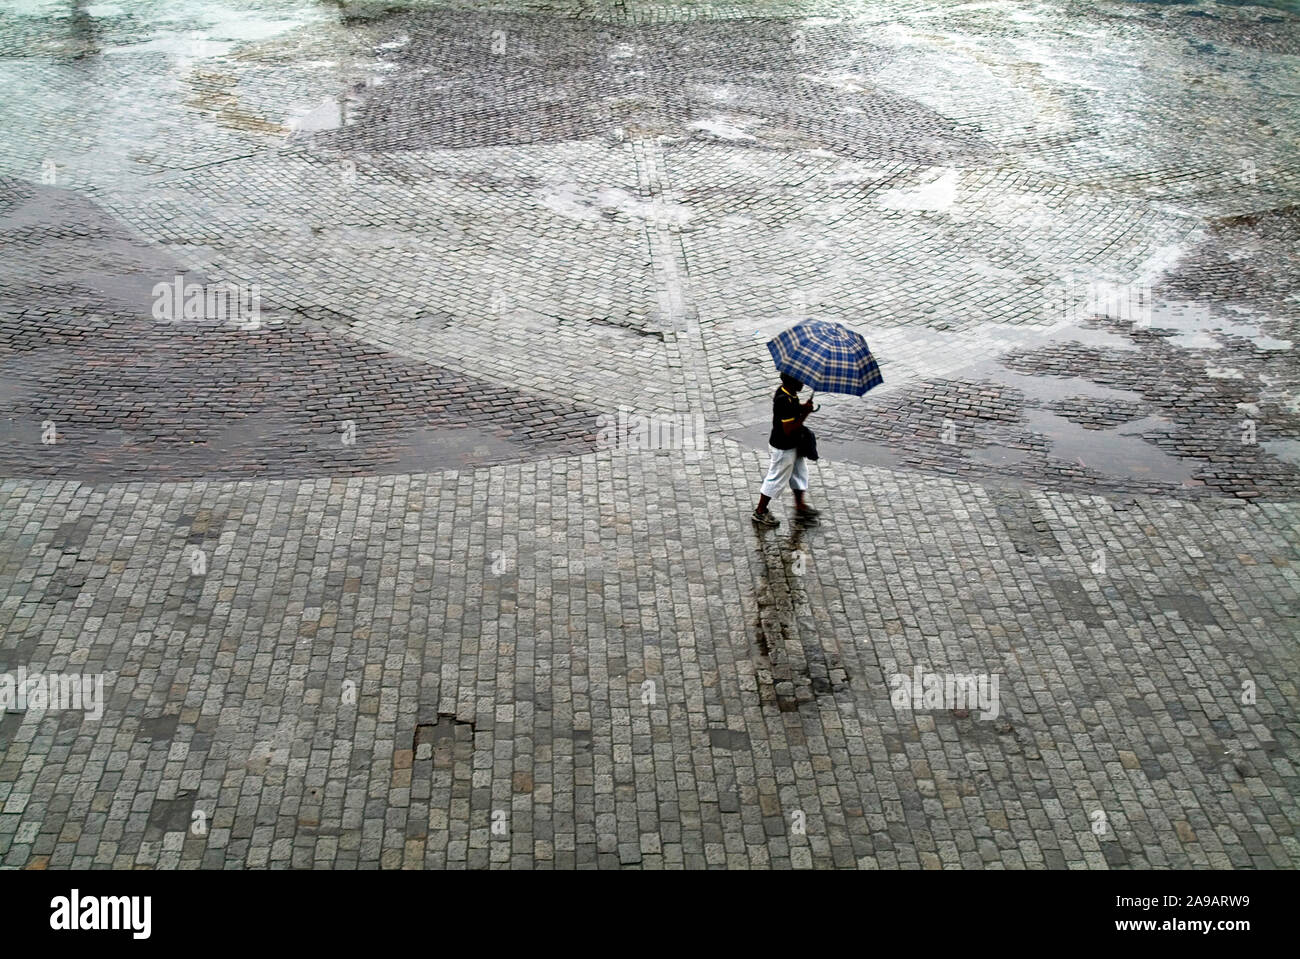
pixel 476 79
pixel 1094 413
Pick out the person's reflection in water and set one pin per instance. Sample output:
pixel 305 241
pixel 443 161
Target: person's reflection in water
pixel 83 32
pixel 782 565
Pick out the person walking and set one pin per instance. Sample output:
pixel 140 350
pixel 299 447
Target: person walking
pixel 830 358
pixel 788 467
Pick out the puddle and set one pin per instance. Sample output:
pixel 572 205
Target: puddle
pixel 720 128
pixel 1103 339
pixel 1000 456
pixel 435 450
pixel 328 115
pixel 935 193
pixel 1286 450
pixel 909 353
pixel 332 113
pixel 848 82
pixel 569 200
pixel 752 435
pixel 859 452
pixel 1118 452
pixel 1051 388
pixel 1194 327
pixel 182 47
pixel 215 39
pixel 89 254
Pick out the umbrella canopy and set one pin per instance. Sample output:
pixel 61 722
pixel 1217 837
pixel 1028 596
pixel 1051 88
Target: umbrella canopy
pixel 826 356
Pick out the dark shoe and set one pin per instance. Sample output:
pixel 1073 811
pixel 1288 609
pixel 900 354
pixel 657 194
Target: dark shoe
pixel 806 516
pixel 765 518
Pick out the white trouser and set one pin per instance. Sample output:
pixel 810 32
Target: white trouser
pixel 788 467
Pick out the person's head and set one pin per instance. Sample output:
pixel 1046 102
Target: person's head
pixel 790 383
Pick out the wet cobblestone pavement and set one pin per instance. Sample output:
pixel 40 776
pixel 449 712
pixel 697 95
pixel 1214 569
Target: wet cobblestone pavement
pixel 367 582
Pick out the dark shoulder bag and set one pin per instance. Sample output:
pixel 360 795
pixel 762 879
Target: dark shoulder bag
pixel 807 443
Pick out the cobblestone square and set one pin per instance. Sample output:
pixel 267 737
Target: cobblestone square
pixel 384 396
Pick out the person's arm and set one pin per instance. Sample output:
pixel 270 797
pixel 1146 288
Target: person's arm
pixel 794 423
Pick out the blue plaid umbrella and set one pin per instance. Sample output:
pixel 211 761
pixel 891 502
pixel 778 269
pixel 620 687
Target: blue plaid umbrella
pixel 826 356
